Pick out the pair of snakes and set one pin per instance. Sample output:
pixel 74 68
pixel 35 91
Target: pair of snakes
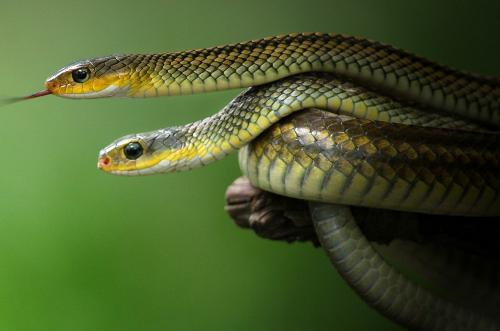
pixel 336 120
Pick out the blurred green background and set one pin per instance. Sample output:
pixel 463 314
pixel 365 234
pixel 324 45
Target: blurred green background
pixel 82 250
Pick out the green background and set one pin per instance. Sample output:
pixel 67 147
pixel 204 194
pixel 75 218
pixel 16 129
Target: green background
pixel 82 250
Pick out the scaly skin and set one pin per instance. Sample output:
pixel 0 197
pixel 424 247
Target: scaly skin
pixel 381 285
pixel 319 156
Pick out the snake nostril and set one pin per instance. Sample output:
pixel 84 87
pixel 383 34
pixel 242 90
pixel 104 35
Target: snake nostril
pixel 103 162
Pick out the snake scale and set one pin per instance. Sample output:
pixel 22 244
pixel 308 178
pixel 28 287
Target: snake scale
pixel 402 133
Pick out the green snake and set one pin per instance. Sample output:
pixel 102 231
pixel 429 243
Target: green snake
pixel 401 133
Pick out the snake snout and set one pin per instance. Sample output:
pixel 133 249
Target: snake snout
pixel 51 85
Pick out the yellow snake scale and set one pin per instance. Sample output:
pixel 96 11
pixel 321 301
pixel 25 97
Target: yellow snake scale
pixel 403 133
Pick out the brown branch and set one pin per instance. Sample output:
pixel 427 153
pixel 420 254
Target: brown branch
pixel 276 217
pixel 271 216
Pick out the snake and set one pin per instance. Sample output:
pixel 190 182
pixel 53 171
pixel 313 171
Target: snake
pixel 333 119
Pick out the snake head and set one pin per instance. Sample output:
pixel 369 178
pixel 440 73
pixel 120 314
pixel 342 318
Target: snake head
pixel 128 155
pixel 148 153
pixel 95 78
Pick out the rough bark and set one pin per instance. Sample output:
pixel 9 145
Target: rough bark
pixel 276 217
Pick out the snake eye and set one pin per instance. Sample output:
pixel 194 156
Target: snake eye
pixel 80 75
pixel 133 150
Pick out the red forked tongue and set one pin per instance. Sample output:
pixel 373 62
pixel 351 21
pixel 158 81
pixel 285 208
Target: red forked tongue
pixel 37 94
pixel 8 101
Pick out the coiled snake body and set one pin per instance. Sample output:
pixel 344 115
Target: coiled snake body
pixel 401 133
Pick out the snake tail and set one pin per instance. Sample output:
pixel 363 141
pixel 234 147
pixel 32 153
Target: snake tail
pixel 379 284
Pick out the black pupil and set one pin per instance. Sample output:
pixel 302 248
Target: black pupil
pixel 133 151
pixel 80 75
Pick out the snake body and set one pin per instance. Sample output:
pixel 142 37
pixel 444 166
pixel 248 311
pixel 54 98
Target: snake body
pixel 265 60
pixel 325 157
pixel 377 151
